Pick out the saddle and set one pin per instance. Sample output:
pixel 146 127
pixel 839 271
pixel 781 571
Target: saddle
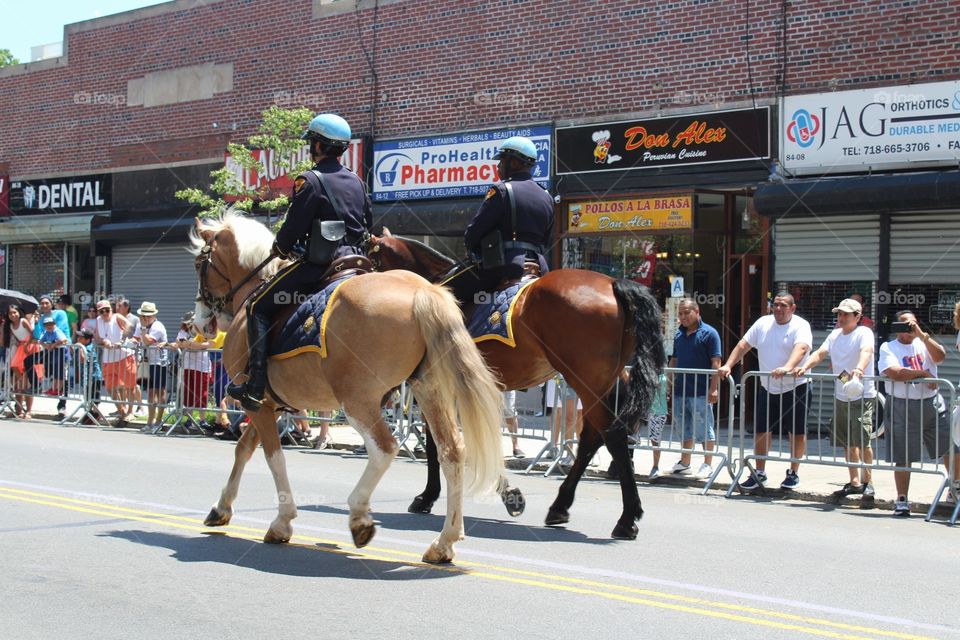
pixel 339 269
pixel 531 271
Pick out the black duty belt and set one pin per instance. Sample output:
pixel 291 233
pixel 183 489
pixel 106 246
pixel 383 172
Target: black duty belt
pixel 526 246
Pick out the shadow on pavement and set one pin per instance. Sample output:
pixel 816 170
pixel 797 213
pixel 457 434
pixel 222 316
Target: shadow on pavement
pixel 301 560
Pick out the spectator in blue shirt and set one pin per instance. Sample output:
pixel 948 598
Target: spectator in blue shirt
pixel 59 317
pixel 54 342
pixel 696 345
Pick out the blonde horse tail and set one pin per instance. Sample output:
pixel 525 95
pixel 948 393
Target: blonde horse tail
pixel 454 370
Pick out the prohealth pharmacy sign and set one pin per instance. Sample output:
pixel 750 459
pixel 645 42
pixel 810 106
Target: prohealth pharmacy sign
pixel 449 166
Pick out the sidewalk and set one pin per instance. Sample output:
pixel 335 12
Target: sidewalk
pixel 818 482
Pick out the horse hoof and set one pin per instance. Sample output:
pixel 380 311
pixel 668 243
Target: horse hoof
pixel 363 534
pixel 556 516
pixel 421 505
pixel 217 519
pixel 514 501
pixel 434 556
pixel 275 538
pixel 624 532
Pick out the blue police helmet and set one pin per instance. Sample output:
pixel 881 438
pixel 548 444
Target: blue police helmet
pixel 518 147
pixel 330 129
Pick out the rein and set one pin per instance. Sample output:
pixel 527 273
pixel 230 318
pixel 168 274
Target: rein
pixel 219 303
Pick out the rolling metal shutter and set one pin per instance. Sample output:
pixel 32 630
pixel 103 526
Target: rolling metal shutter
pixel 160 273
pixel 925 249
pixel 827 249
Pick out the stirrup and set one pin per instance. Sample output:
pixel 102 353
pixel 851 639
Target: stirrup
pixel 240 393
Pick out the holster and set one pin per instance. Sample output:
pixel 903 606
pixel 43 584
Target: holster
pixel 491 250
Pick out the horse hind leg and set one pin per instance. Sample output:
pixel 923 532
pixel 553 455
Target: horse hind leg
pixel 590 442
pixel 381 450
pixel 451 455
pixel 423 503
pixel 222 512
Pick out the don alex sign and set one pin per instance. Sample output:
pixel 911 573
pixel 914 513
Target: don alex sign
pixel 637 214
pixel 455 165
pixel 720 136
pixel 907 126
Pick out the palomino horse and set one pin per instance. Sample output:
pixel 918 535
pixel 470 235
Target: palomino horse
pixel 380 329
pixel 584 325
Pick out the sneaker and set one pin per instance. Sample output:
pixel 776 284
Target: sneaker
pixel 360 450
pixel 147 428
pixel 791 482
pixel 756 481
pixel 901 508
pixel 704 471
pixel 869 499
pixel 851 489
pixel 654 474
pixel 680 469
pixel 321 443
pixel 518 453
pixel 61 414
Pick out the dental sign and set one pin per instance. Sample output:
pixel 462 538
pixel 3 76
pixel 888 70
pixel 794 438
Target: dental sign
pixel 76 194
pixel 908 126
pixel 455 165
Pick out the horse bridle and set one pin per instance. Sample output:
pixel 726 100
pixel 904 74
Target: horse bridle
pixel 205 260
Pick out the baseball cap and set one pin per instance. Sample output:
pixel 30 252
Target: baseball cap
pixel 86 333
pixel 48 320
pixel 848 305
pixel 103 304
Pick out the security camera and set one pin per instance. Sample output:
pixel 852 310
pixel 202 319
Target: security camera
pixel 556 198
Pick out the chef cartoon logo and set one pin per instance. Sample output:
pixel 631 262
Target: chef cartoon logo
pixel 601 152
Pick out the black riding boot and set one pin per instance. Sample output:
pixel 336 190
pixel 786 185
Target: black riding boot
pixel 250 393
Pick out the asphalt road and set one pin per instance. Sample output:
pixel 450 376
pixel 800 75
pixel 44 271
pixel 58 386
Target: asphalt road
pixel 101 536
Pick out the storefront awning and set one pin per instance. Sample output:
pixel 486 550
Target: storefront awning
pixel 106 231
pixel 426 217
pixel 927 191
pixel 46 228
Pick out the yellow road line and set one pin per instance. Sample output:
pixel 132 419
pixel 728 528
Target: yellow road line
pixel 553 582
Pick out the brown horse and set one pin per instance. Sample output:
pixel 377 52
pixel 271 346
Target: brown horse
pixel 380 329
pixel 584 325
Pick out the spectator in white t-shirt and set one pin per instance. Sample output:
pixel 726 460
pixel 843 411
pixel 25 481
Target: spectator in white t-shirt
pixel 850 348
pixel 914 415
pixel 152 336
pixel 782 340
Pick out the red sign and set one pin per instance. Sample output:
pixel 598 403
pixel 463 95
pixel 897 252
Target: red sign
pixel 273 181
pixel 4 196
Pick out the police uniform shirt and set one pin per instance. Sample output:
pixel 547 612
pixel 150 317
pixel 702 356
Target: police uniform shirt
pixel 310 203
pixel 534 215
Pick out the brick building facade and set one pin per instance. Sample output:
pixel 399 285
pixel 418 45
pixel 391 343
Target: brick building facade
pixel 152 96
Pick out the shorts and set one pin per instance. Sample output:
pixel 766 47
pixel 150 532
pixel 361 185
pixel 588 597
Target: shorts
pixel 852 423
pixel 122 373
pixel 195 389
pixel 509 404
pixel 157 377
pixel 916 422
pixel 782 412
pixel 655 426
pixel 695 414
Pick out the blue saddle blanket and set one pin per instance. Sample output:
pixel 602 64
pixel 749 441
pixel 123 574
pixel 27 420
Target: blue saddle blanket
pixel 493 320
pixel 305 329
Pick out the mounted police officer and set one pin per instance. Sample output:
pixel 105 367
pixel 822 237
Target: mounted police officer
pixel 515 221
pixel 327 218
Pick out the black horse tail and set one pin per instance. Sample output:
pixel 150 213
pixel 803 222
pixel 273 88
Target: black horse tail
pixel 642 320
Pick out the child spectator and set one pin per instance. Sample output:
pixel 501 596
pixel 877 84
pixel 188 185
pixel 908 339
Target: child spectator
pixel 54 343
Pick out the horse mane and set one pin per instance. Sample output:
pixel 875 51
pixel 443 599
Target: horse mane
pixel 254 240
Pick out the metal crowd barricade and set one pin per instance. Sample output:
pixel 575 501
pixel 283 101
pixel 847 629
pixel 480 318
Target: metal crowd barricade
pixel 556 445
pixel 822 401
pixel 672 435
pixel 49 374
